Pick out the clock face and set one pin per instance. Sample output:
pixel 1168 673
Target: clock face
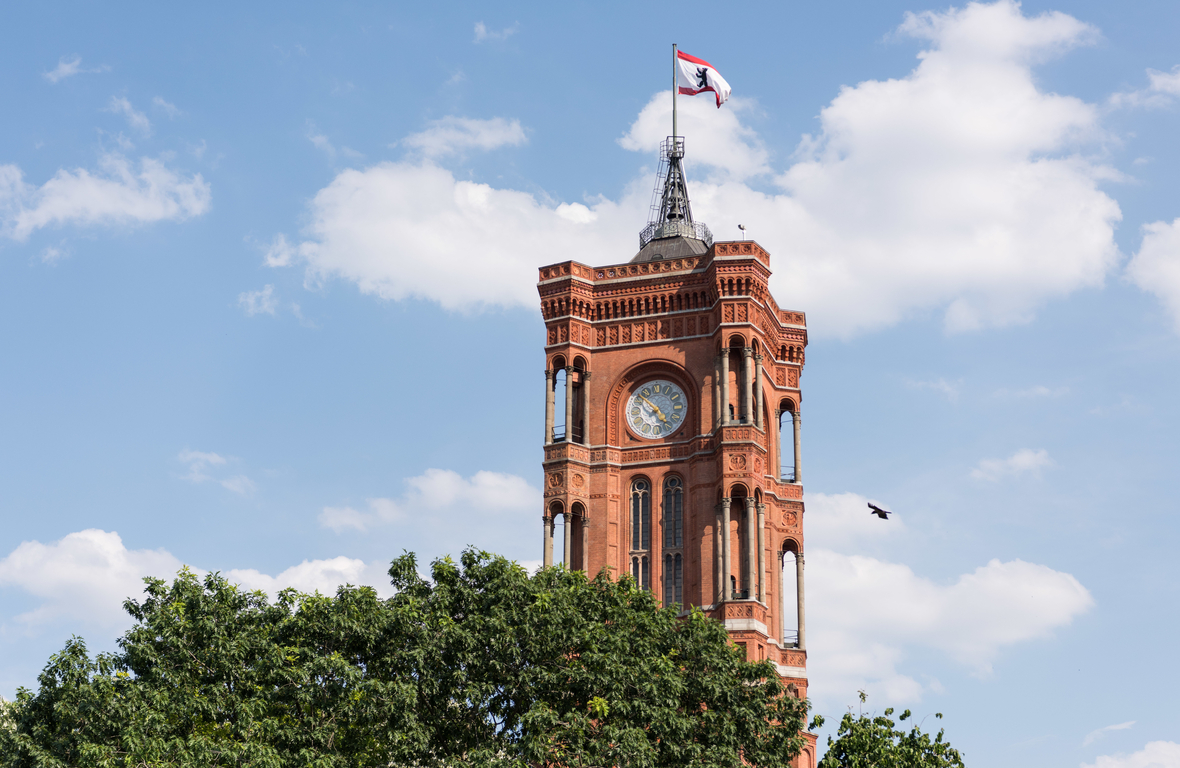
pixel 656 409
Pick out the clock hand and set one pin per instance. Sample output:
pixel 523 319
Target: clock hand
pixel 653 406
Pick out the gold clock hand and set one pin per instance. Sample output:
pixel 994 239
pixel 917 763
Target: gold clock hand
pixel 655 408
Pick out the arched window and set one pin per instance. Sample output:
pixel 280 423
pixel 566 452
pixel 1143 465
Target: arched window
pixel 673 525
pixel 641 531
pixel 673 512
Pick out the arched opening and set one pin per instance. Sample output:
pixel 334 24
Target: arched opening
pixel 737 387
pixel 552 512
pixel 742 549
pixel 791 603
pixel 788 442
pixel 559 399
pixel 577 518
pixel 578 410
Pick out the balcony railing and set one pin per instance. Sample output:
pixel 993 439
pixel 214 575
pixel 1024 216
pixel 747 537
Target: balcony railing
pixel 559 435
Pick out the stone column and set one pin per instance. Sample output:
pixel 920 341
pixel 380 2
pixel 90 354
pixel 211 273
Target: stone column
pixel 747 383
pixel 569 404
pixel 781 613
pixel 751 549
pixel 798 421
pixel 758 390
pixel 726 568
pixel 567 552
pixel 761 552
pixel 585 543
pixel 550 385
pixel 717 391
pixel 583 393
pixel 720 558
pixel 777 442
pixel 547 552
pixel 802 644
pixel 724 386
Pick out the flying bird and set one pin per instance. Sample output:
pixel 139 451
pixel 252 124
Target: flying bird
pixel 881 513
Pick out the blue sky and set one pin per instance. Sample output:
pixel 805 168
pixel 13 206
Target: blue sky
pixel 267 307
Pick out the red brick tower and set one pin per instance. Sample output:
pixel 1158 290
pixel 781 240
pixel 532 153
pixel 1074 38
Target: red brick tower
pixel 674 455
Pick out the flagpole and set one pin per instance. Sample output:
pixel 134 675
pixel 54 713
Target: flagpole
pixel 674 89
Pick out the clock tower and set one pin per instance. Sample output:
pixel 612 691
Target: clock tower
pixel 672 423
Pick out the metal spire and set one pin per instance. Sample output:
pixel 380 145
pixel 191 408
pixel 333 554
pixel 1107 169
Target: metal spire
pixel 671 212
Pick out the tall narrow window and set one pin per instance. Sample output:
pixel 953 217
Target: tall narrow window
pixel 678 569
pixel 673 525
pixel 673 512
pixel 669 582
pixel 673 579
pixel 641 531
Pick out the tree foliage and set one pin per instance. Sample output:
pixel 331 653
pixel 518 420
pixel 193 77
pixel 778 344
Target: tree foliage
pixel 479 665
pixel 868 741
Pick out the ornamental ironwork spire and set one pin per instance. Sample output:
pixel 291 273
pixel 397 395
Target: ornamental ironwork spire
pixel 671 210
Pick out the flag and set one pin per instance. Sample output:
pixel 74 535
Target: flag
pixel 701 76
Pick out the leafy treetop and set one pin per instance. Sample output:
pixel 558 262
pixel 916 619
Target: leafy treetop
pixel 481 664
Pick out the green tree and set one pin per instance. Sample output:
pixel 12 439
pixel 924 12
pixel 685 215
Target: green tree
pixel 868 741
pixel 479 665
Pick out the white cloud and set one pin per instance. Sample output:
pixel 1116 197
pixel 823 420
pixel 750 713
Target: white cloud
pixel 1162 88
pixel 867 615
pixel 259 302
pixel 955 187
pixel 52 255
pixel 86 575
pixel 198 462
pixel 948 389
pixel 68 68
pixel 1025 461
pixel 483 33
pixel 1039 390
pixel 960 188
pixel 279 253
pixel 1165 82
pixel 168 108
pixel 843 520
pixel 402 230
pixel 452 135
pixel 64 69
pixel 438 491
pixel 201 464
pixel 1157 754
pixel 1156 267
pixel 715 139
pixel 119 194
pixel 322 576
pixel 136 119
pixel 1098 733
pixel 320 141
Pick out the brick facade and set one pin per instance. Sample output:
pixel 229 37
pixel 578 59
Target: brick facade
pixel 616 329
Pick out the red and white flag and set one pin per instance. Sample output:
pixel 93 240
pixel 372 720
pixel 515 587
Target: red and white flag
pixel 698 76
